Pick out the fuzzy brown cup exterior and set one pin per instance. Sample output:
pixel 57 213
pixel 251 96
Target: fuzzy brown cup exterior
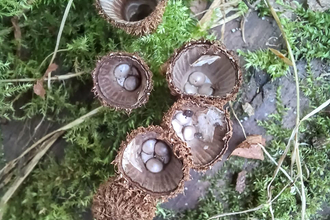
pixel 202 158
pixel 114 201
pixel 113 13
pixel 225 73
pixel 110 93
pixel 164 185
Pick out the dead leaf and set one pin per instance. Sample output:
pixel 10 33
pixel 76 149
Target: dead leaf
pixel 205 59
pixel 38 88
pixel 51 68
pixel 281 56
pixel 17 34
pixel 240 181
pixel 250 148
pixel 247 108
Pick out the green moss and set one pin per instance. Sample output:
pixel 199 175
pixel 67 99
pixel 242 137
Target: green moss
pixel 265 60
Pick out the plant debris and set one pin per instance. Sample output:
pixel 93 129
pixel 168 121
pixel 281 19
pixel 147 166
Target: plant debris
pixel 39 89
pixel 240 181
pixel 247 108
pixel 281 56
pixel 250 149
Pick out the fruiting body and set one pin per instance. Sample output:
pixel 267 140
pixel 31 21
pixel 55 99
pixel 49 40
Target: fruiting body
pixel 115 200
pixel 122 70
pixel 145 157
pixel 189 133
pixel 122 81
pixel 184 120
pixel 154 165
pixel 197 78
pixel 161 174
pixel 208 133
pixel 205 89
pixel 131 83
pixel 149 146
pixel 190 89
pixel 199 63
pixel 137 17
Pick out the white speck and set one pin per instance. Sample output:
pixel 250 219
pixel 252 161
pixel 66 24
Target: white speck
pixel 295 112
pixel 293 190
pixel 272 100
pixel 263 18
pixel 266 114
pixel 186 204
pixel 246 118
pixel 186 188
pixel 233 30
pixel 206 147
pixel 241 121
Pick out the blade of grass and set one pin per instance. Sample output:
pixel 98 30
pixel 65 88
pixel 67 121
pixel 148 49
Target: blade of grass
pixel 13 163
pixel 296 145
pixel 19 179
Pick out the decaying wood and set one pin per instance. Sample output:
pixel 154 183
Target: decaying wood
pixel 250 148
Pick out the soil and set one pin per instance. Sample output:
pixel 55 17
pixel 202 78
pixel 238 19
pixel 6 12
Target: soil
pixel 258 90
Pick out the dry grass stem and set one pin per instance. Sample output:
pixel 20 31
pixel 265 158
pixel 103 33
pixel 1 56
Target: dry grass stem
pixel 54 78
pixel 281 169
pixel 230 18
pixel 19 179
pixel 66 13
pixel 12 164
pixel 296 144
pixel 204 23
pixel 253 209
pixel 223 28
pixel 232 109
